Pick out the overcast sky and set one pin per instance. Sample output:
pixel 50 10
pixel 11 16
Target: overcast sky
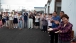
pixel 19 4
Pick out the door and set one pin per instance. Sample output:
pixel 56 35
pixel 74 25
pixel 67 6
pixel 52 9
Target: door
pixel 58 10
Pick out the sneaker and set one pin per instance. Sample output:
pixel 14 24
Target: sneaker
pixel 45 31
pixel 31 28
pixel 20 29
pixel 49 35
pixel 41 29
pixel 16 27
pixel 9 28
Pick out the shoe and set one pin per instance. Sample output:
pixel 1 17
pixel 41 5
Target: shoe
pixel 49 35
pixel 20 29
pixel 31 28
pixel 45 31
pixel 12 28
pixel 16 27
pixel 41 29
pixel 9 28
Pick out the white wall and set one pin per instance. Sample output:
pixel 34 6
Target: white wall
pixel 52 6
pixel 69 7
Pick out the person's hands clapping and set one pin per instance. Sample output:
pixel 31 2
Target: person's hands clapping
pixel 58 31
pixel 56 22
pixel 50 29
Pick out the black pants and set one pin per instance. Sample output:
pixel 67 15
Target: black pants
pixel 3 21
pixel 54 37
pixel 25 23
pixel 50 32
pixel 44 28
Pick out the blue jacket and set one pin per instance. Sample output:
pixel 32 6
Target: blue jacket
pixel 25 16
pixel 57 18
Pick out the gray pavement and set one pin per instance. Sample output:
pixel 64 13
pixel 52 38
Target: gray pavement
pixel 23 36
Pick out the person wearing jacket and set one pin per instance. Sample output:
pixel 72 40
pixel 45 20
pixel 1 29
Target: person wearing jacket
pixel 44 23
pixel 64 29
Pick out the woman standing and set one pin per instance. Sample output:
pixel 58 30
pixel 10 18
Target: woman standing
pixel 41 16
pixel 64 29
pixel 15 20
pixel 3 19
pixel 11 20
pixel 20 20
pixel 49 18
pixel 30 20
pixel 7 20
pixel 37 21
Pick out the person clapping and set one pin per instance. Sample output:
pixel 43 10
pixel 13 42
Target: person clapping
pixel 64 29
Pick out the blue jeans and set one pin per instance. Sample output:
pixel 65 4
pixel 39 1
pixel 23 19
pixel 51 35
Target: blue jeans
pixel 20 24
pixel 25 24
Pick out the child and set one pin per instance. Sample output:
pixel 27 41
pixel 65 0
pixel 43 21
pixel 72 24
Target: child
pixel 0 23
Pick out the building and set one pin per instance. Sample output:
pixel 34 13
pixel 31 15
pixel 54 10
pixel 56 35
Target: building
pixel 47 7
pixel 39 9
pixel 68 6
pixel 53 5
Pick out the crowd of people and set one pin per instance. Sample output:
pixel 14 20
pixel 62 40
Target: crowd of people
pixel 58 26
pixel 11 20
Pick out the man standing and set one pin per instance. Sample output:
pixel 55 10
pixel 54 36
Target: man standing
pixel 25 19
pixel 11 20
pixel 55 19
